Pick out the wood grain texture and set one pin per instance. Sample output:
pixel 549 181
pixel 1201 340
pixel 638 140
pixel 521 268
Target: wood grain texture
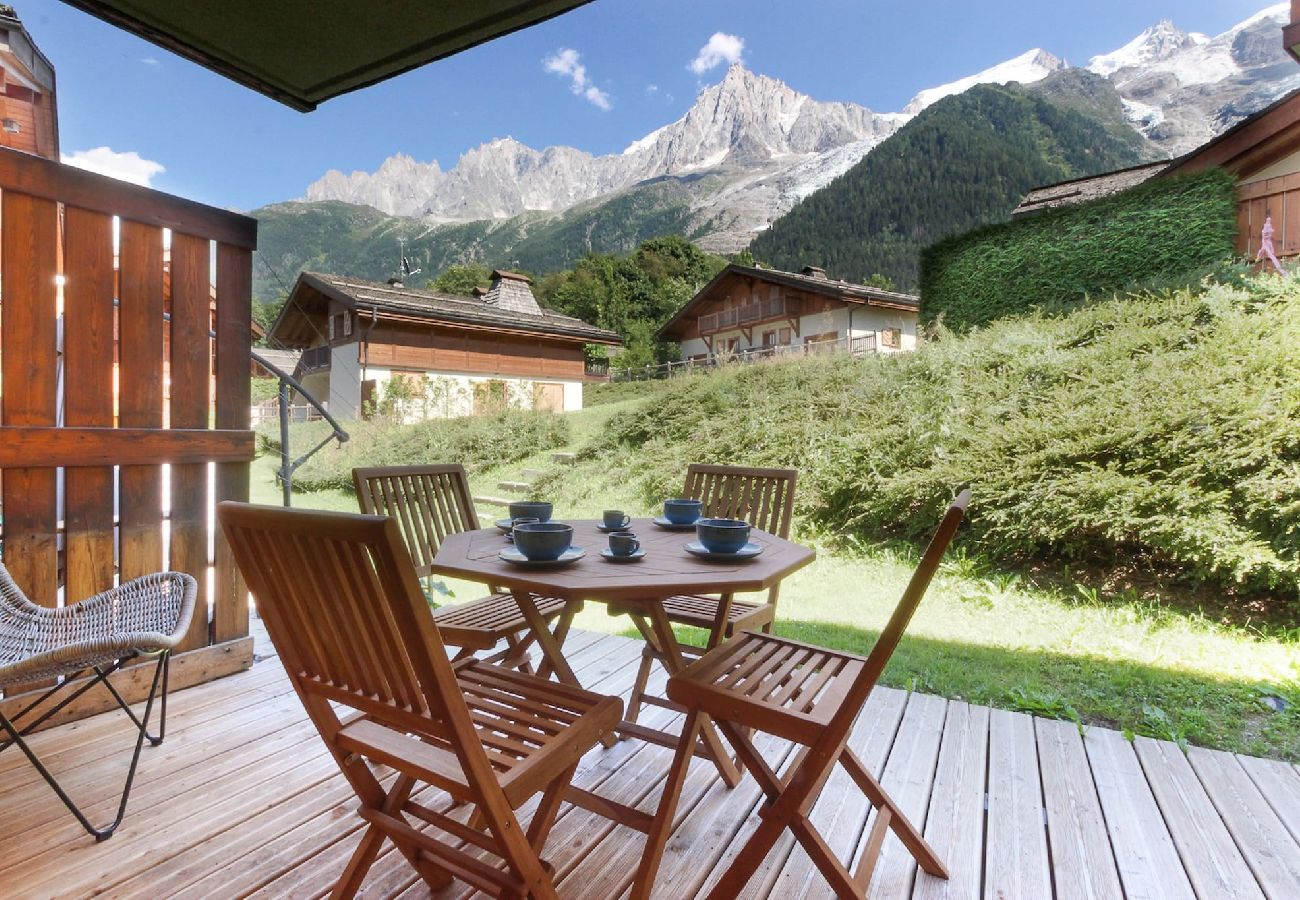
pixel 234 317
pixel 1268 847
pixel 1082 861
pixel 48 180
pixel 954 825
pixel 140 393
pixel 1214 865
pixel 1149 865
pixel 190 364
pixel 29 357
pixel 137 447
pixel 1016 858
pixel 88 401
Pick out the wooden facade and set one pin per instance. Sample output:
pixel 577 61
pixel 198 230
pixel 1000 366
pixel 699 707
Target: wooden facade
pixel 29 118
pixel 86 501
pixel 437 347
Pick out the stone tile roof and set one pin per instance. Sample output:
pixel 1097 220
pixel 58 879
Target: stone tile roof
pixel 1081 190
pixel 403 300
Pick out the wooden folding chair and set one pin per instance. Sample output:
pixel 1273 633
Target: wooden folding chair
pixel 341 602
pixel 812 697
pixel 430 502
pixel 762 497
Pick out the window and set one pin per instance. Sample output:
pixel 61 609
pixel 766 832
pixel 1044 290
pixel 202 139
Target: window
pixel 785 337
pixel 347 324
pixel 769 338
pixel 891 338
pixel 331 328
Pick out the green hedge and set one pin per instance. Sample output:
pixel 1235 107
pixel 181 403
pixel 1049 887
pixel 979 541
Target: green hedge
pixel 1155 432
pixel 1055 259
pixel 478 442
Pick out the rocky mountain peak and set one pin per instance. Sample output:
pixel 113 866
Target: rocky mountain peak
pixel 1030 66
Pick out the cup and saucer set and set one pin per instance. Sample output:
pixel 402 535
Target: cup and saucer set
pixel 717 540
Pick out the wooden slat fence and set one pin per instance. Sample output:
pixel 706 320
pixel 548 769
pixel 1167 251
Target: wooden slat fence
pixel 120 426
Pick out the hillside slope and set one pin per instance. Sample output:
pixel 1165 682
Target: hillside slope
pixel 964 162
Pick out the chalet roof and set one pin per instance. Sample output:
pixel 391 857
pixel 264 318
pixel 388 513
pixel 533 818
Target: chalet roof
pixel 397 301
pixel 844 291
pixel 284 360
pixel 1094 187
pixel 303 53
pixel 1254 143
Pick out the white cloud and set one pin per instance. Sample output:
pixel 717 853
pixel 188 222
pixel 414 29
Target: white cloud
pixel 129 166
pixel 566 62
pixel 150 61
pixel 652 88
pixel 720 48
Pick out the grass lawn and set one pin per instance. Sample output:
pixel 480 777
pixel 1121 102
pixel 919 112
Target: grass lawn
pixel 1065 650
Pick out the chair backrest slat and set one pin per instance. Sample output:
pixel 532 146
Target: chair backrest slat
pixel 762 497
pixel 887 643
pixel 428 503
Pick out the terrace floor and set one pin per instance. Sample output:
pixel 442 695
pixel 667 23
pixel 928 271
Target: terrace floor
pixel 242 799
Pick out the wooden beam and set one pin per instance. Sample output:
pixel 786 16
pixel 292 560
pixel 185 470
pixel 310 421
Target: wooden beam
pixel 23 173
pixel 133 682
pixel 47 446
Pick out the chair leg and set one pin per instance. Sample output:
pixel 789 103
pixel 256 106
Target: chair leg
pixel 634 702
pixel 662 828
pixel 517 655
pixel 917 845
pixel 548 808
pixel 16 737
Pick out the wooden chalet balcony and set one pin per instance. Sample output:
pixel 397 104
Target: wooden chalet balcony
pixel 243 800
pixel 747 314
pixel 314 359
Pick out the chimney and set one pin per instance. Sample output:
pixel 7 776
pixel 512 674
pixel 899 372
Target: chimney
pixel 511 291
pixel 395 282
pixel 814 272
pixel 478 293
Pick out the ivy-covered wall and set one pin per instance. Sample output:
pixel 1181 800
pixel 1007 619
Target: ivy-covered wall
pixel 1057 259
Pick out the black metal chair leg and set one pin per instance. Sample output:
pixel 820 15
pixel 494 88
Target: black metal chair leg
pixel 142 729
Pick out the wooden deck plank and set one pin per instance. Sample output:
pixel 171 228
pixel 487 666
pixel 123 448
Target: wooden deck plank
pixel 954 825
pixel 1149 865
pixel 1083 864
pixel 1269 849
pixel 1015 852
pixel 242 798
pixel 1214 865
pixel 908 779
pixel 1280 785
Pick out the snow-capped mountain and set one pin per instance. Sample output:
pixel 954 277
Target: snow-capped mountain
pixel 764 146
pixel 1028 67
pixel 747 122
pixel 1182 88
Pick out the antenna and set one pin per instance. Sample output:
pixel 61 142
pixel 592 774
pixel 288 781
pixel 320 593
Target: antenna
pixel 404 269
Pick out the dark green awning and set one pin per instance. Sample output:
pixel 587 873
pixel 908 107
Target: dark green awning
pixel 303 52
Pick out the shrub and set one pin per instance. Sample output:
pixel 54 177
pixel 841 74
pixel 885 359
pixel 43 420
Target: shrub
pixel 475 441
pixel 1058 258
pixel 1152 431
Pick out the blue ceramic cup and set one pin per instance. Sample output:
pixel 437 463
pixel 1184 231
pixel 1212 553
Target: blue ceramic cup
pixel 681 511
pixel 542 541
pixel 722 535
pixel 529 508
pixel 623 543
pixel 616 519
pixel 515 523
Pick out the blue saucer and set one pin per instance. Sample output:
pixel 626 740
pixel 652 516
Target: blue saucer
pixel 513 556
pixel 627 557
pixel 749 551
pixel 662 522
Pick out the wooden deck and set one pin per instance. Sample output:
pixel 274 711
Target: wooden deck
pixel 242 800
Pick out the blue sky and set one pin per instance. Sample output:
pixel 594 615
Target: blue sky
pixel 222 144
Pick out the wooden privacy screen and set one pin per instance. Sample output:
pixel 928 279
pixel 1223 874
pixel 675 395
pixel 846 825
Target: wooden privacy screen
pixel 134 405
pixel 1277 197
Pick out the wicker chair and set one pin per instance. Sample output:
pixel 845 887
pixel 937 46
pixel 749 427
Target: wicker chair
pixel 144 617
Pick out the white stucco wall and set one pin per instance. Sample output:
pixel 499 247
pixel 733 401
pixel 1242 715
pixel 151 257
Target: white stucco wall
pixel 452 393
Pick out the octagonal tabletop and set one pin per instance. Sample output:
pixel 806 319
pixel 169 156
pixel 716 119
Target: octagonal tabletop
pixel 666 570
